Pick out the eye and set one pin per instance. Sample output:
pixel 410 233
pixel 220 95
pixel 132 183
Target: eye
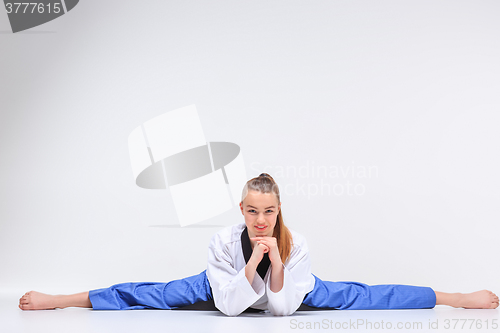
pixel 269 211
pixel 251 211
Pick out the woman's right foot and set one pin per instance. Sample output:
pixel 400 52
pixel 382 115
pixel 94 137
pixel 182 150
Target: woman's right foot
pixel 33 300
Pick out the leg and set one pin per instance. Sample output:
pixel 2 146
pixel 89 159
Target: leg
pixel 152 295
pixel 128 296
pixel 483 299
pixel 359 296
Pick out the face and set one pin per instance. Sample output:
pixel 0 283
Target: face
pixel 260 211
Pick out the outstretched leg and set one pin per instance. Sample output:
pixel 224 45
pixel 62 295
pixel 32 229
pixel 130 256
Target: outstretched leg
pixel 152 295
pixel 128 296
pixel 359 296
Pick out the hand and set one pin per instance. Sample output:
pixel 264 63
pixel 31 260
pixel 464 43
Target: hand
pixel 255 259
pixel 271 245
pixel 258 253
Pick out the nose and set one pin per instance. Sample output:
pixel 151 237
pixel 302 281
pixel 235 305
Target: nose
pixel 261 218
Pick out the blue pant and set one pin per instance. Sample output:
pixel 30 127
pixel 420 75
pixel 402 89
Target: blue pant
pixel 326 295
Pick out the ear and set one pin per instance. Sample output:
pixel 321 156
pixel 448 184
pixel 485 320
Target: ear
pixel 279 207
pixel 241 207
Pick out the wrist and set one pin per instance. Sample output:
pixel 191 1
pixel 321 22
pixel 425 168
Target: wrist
pixel 277 266
pixel 275 260
pixel 252 264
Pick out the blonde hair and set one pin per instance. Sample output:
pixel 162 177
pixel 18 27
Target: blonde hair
pixel 264 183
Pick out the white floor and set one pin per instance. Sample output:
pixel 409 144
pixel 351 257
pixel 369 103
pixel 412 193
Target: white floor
pixel 76 320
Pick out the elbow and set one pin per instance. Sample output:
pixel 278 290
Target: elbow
pixel 230 312
pixel 283 308
pixel 281 312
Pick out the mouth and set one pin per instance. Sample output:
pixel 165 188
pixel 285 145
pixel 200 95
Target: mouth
pixel 261 227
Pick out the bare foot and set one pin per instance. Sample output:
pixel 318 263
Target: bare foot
pixel 33 300
pixel 483 299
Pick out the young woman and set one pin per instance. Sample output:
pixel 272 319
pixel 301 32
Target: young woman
pixel 262 265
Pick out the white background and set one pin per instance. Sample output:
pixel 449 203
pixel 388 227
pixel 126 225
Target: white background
pixel 411 88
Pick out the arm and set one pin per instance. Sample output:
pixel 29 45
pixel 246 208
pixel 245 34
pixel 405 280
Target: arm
pixel 255 259
pixel 277 277
pixel 269 245
pixel 232 290
pixel 288 284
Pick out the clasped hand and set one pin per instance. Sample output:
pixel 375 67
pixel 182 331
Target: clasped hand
pixel 266 244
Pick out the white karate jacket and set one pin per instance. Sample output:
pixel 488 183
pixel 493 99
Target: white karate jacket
pixel 231 290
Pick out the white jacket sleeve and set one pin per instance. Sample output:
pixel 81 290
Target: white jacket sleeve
pixel 231 290
pixel 296 283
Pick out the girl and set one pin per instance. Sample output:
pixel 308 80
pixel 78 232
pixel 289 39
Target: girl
pixel 259 265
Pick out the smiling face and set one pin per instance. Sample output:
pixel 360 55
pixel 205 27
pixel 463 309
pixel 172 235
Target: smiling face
pixel 260 211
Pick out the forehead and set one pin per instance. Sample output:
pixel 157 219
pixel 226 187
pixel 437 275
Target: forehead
pixel 260 200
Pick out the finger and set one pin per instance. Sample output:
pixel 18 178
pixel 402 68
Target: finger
pixel 269 239
pixel 268 244
pixel 264 243
pixel 264 246
pixel 261 238
pixel 257 238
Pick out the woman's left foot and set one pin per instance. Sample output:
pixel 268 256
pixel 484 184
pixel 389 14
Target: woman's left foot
pixel 483 299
